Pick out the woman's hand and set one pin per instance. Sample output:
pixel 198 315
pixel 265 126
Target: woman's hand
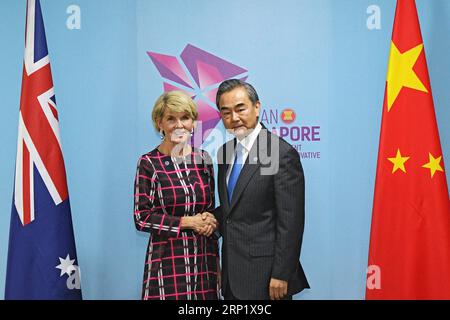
pixel 210 224
pixel 202 223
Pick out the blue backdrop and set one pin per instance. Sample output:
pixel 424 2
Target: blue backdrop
pixel 325 60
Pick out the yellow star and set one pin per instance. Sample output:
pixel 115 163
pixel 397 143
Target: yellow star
pixel 433 165
pixel 400 72
pixel 399 162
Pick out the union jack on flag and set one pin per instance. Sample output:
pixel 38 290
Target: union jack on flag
pixel 41 246
pixel 38 141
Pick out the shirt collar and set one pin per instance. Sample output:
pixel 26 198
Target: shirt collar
pixel 249 140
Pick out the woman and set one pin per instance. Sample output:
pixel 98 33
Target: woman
pixel 174 189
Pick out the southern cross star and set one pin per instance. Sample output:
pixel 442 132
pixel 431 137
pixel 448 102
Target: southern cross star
pixel 65 265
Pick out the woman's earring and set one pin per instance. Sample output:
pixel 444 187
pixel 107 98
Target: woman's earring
pixel 192 131
pixel 161 134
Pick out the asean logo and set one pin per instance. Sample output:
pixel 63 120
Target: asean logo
pixel 199 74
pixel 288 116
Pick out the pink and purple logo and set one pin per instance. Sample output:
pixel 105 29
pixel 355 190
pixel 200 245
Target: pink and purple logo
pixel 199 74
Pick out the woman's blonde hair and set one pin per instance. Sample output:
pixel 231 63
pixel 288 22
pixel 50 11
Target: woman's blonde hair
pixel 173 101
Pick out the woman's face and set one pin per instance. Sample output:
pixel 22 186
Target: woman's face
pixel 177 126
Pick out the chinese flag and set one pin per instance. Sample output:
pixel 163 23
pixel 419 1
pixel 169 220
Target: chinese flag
pixel 409 256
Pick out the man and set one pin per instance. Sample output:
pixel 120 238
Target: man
pixel 262 199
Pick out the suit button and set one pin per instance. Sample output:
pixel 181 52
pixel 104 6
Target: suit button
pixel 228 221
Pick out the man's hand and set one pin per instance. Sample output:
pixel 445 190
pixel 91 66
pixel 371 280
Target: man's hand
pixel 277 289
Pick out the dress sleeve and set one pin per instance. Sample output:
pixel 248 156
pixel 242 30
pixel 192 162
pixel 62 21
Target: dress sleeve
pixel 211 207
pixel 211 182
pixel 147 217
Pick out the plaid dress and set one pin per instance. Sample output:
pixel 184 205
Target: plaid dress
pixel 179 264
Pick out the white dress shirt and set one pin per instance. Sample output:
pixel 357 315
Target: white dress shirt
pixel 247 144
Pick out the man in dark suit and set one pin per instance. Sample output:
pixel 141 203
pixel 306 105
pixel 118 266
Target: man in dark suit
pixel 262 202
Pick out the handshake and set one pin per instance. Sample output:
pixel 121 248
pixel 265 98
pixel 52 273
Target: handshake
pixel 202 223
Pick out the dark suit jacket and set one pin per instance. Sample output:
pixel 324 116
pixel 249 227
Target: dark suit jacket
pixel 262 226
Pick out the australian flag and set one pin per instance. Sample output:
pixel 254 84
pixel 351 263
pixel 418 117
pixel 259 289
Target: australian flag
pixel 42 259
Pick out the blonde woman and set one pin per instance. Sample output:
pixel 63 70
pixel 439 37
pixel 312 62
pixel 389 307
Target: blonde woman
pixel 174 190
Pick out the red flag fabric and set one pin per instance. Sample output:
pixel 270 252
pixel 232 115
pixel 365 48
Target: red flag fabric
pixel 409 255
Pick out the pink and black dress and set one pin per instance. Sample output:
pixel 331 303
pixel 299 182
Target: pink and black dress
pixel 179 264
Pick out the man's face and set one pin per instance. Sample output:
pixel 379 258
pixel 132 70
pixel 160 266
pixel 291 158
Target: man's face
pixel 238 114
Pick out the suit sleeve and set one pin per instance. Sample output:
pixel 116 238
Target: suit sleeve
pixel 218 211
pixel 146 216
pixel 289 185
